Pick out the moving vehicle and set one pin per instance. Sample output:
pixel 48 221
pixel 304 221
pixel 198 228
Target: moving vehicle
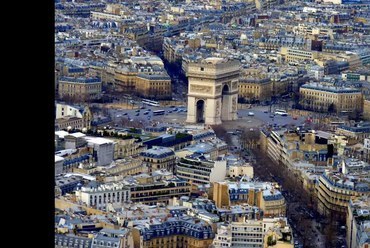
pixel 250 114
pixel 281 112
pixel 150 102
pixel 158 112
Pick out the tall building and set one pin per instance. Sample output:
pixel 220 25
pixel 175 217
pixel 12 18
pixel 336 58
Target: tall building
pixel 156 86
pixel 213 90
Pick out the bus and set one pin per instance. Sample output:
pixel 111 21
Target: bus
pixel 337 123
pixel 281 112
pixel 158 112
pixel 150 102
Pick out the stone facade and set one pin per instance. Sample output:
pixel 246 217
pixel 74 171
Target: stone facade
pixel 213 91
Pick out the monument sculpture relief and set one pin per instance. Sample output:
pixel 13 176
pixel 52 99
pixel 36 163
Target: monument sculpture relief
pixel 200 89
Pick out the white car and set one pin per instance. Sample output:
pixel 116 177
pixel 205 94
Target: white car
pixel 250 114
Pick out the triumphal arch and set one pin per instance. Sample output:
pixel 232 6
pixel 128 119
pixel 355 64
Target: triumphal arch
pixel 213 90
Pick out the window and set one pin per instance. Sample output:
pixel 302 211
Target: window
pixel 202 68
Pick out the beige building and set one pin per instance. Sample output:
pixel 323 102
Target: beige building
pixel 213 90
pixel 324 98
pixel 294 55
pixel 158 158
pixel 260 194
pixel 121 168
pixel 156 86
pixel 240 171
pixel 67 116
pixel 366 109
pixel 80 89
pixel 335 190
pixel 127 147
pixel 125 79
pixel 255 88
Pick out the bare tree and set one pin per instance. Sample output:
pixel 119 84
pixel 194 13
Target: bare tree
pixel 221 133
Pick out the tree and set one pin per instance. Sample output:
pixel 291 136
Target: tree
pixel 271 241
pixel 331 108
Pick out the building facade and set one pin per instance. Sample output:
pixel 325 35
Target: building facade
pixel 325 98
pixel 100 195
pixel 358 222
pixel 159 192
pixel 158 158
pixel 334 191
pixel 82 88
pixel 174 232
pixel 262 195
pixel 259 89
pixel 103 150
pixel 157 86
pixel 366 109
pixel 199 170
pixel 295 55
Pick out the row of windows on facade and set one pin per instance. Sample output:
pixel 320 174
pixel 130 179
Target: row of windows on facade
pixel 328 95
pixel 109 244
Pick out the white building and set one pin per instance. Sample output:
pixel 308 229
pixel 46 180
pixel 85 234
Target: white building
pixel 63 110
pixel 240 234
pixel 74 140
pixel 316 72
pixel 103 150
pixel 240 170
pixel 101 195
pixel 199 170
pixel 367 144
pixel 250 233
pixel 58 164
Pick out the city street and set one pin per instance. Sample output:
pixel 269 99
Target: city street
pixel 177 114
pixel 309 228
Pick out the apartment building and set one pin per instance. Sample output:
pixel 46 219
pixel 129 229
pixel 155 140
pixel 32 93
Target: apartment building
pixel 334 191
pixel 98 196
pixel 296 55
pixel 254 88
pixel 158 158
pixel 323 97
pixel 261 194
pixel 82 88
pixel 173 232
pixel 199 170
pixel 152 192
pixel 156 86
pixel 254 233
pixel 358 222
